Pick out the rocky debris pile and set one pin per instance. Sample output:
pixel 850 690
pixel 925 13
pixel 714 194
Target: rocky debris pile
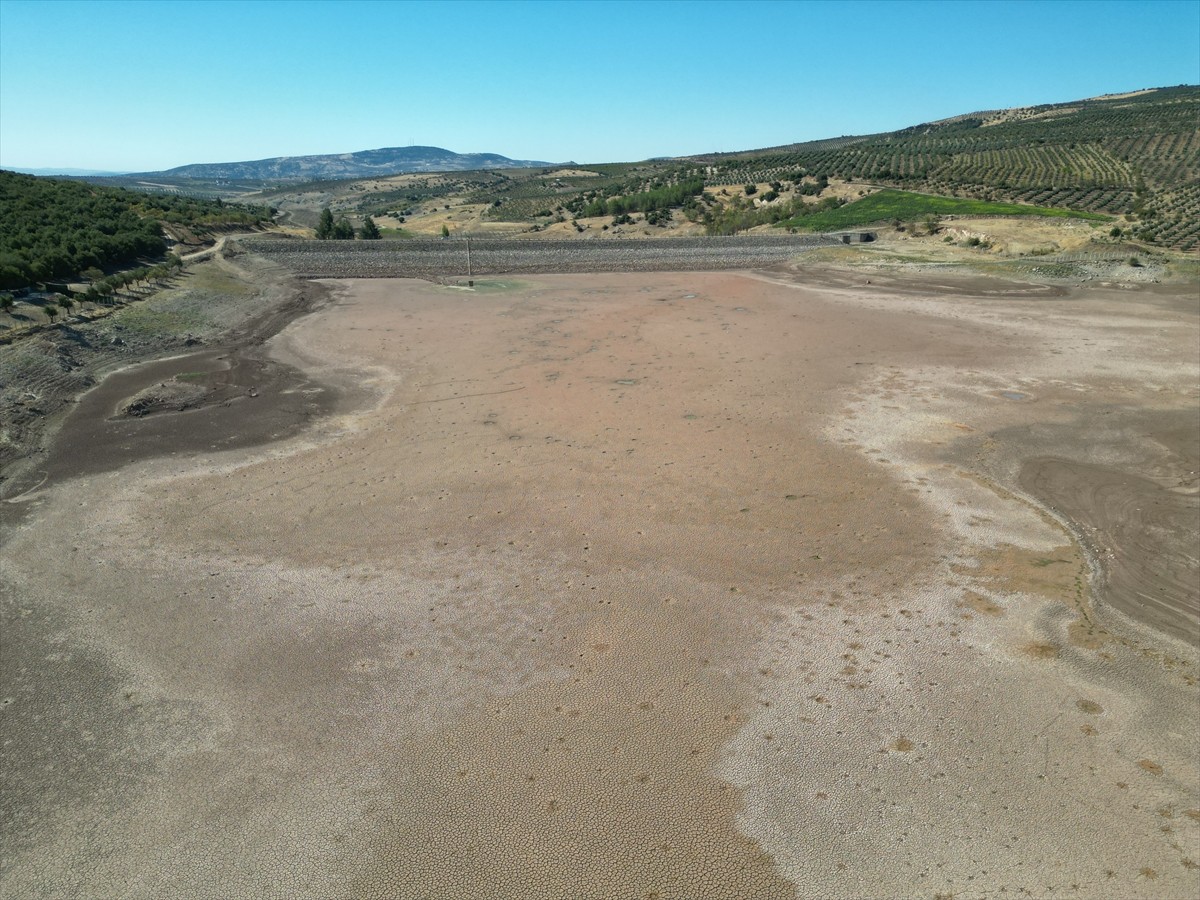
pixel 173 395
pixel 439 258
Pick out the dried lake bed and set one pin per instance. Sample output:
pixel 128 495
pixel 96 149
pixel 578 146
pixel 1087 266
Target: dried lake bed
pixel 736 584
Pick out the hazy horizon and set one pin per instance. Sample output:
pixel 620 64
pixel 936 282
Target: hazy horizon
pixel 587 82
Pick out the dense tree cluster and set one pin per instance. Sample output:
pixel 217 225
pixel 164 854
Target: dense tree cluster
pixel 369 231
pixel 54 229
pixel 658 198
pixel 329 230
pixel 741 214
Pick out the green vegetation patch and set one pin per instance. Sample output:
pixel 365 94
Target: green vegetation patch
pixel 396 234
pixel 496 286
pixel 208 277
pixel 1186 268
pixel 56 229
pixel 149 318
pixel 890 205
pixel 658 198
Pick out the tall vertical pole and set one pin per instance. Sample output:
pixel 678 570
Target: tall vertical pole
pixel 468 257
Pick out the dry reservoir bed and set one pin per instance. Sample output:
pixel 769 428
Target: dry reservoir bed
pixel 659 585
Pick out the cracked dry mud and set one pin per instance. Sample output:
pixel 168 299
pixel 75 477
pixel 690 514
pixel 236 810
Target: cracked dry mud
pixel 663 585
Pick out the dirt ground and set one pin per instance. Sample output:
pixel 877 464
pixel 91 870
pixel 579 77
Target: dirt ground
pixel 213 317
pixel 695 585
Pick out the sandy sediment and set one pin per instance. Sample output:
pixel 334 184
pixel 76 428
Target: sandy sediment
pixel 671 585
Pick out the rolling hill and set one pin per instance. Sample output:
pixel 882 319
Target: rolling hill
pixel 1134 157
pixel 1135 154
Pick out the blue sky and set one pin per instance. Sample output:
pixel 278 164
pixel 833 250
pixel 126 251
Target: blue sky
pixel 150 85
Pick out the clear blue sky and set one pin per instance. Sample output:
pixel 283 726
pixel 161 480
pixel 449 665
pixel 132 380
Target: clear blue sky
pixel 150 85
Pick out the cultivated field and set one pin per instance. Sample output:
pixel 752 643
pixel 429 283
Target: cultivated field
pixel 772 583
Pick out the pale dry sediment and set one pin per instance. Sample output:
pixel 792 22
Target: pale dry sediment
pixel 591 600
pixel 987 724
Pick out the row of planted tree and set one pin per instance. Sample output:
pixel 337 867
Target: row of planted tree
pixel 102 290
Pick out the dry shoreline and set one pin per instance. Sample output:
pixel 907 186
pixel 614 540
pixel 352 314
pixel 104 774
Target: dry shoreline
pixel 683 584
pixel 100 364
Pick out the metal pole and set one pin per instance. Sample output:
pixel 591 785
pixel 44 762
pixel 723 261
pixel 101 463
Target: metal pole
pixel 468 257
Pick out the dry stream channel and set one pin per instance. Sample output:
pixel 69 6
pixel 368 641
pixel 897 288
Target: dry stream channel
pixel 764 583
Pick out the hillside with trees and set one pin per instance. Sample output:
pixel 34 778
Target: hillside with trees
pixel 54 229
pixel 1136 155
pixel 1134 158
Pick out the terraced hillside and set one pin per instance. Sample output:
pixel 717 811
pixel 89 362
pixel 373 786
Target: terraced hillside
pixel 1137 155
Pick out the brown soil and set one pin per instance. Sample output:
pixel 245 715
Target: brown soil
pixel 655 585
pixel 227 309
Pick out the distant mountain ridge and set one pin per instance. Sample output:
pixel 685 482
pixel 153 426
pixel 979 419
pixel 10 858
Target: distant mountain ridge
pixel 362 164
pixel 71 173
